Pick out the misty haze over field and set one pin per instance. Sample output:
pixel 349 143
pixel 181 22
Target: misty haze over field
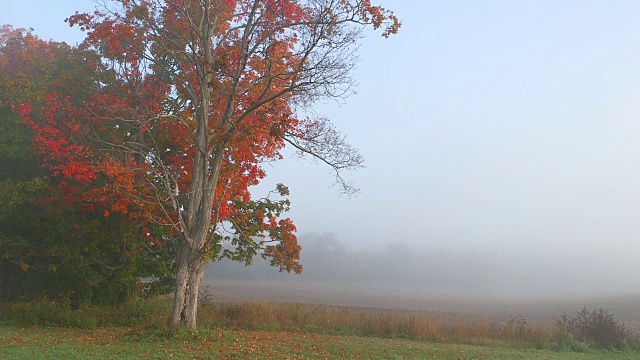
pixel 502 145
pixel 482 274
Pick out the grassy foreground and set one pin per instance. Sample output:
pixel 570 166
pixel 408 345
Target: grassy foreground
pixel 125 343
pixel 258 330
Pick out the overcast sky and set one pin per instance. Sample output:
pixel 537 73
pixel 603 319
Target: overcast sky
pixel 501 127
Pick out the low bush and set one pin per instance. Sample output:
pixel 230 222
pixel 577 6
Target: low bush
pixel 596 327
pixel 143 312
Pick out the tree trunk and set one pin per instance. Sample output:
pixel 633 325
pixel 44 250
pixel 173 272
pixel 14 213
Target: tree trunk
pixel 188 278
pixel 191 307
pixel 182 281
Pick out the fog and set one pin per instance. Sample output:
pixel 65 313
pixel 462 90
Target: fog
pixel 441 272
pixel 502 145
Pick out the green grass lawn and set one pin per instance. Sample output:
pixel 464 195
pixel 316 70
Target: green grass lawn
pixel 124 343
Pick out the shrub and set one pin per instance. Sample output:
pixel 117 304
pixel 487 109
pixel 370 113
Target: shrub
pixel 142 313
pixel 41 312
pixel 597 327
pixel 634 344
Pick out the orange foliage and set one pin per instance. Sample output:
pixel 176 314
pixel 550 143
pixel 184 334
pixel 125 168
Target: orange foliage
pixel 173 93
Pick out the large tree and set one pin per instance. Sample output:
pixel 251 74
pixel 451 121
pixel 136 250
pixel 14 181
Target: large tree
pixel 195 95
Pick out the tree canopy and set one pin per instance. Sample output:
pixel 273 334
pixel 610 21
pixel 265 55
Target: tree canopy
pixel 52 243
pixel 189 99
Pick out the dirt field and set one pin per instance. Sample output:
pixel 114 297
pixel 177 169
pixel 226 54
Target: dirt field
pixel 626 308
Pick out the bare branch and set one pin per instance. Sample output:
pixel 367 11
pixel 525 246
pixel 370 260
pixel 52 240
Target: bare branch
pixel 321 140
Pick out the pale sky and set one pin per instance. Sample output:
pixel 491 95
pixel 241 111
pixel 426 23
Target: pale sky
pixel 490 127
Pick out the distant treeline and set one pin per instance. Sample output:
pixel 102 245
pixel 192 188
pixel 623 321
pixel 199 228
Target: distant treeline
pixel 325 259
pixel 491 272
